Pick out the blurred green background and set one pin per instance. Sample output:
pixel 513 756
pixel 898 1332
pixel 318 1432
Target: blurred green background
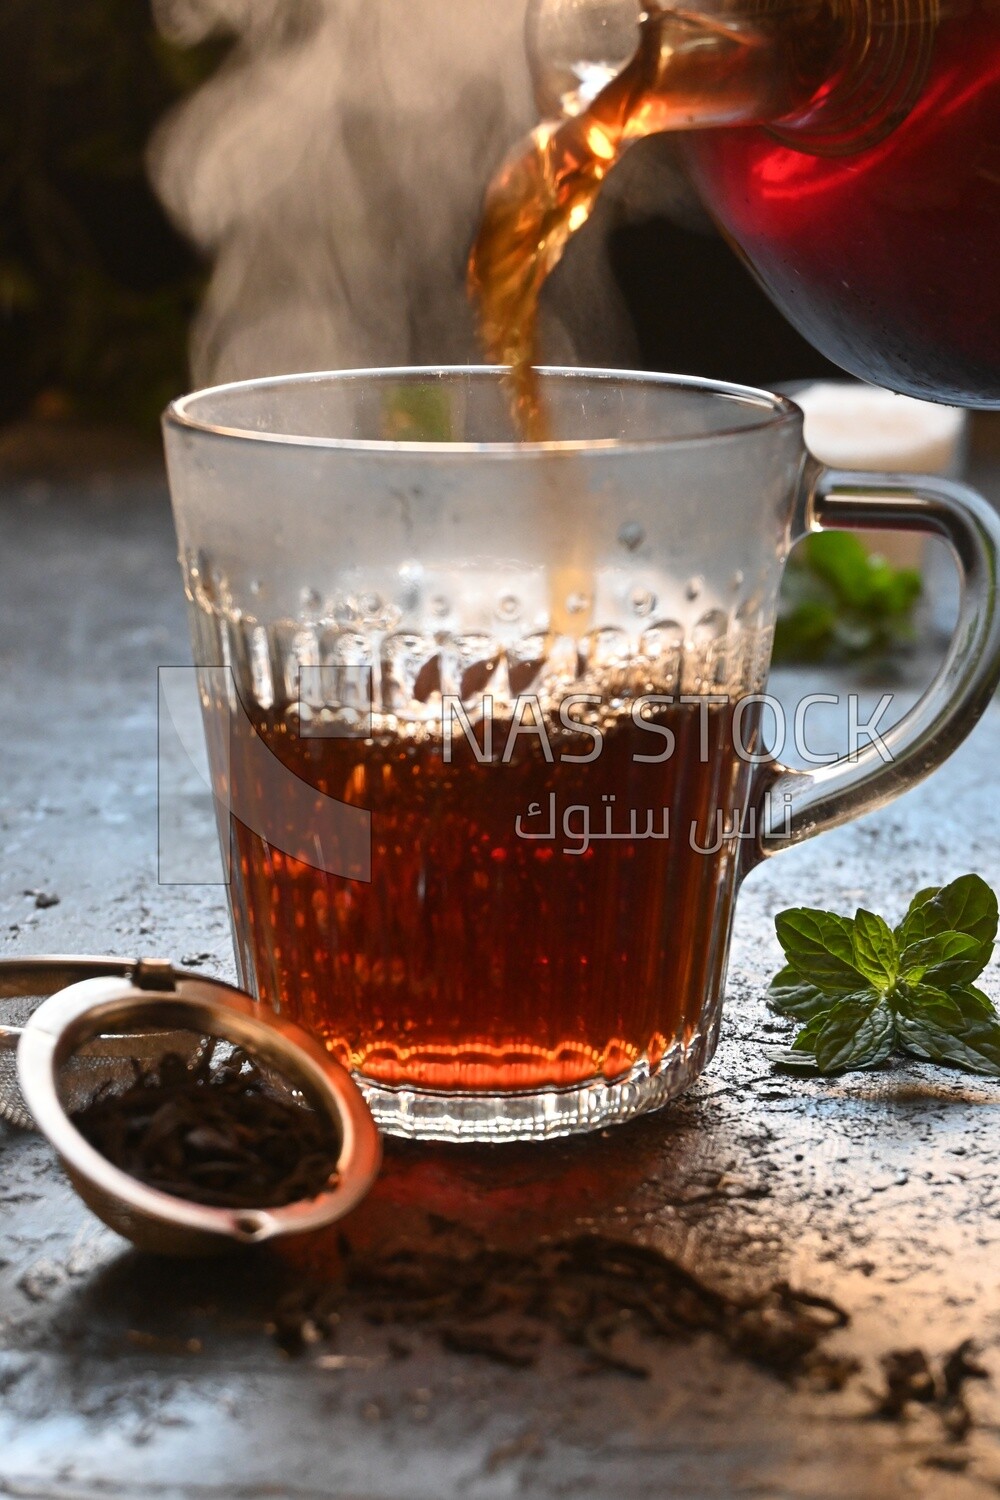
pixel 96 288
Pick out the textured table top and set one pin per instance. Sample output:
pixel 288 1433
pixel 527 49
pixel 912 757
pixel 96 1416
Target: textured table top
pixel 121 1375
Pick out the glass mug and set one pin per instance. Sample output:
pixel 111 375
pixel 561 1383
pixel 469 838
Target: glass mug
pixel 484 716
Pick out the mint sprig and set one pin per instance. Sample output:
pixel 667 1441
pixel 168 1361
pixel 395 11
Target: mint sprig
pixel 865 990
pixel 840 603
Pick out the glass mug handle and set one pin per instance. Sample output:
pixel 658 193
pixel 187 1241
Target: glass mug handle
pixel 803 803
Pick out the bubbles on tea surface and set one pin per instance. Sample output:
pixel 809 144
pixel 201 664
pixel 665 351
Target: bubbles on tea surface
pixel 694 586
pixel 642 600
pixel 755 636
pixel 295 716
pixel 345 723
pixel 631 535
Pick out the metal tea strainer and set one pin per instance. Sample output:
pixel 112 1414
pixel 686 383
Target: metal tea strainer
pixel 73 1025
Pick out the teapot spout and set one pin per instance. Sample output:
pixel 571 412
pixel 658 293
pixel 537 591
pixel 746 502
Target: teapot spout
pixel 706 62
pixel 575 48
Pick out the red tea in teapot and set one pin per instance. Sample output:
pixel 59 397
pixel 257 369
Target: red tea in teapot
pixel 865 192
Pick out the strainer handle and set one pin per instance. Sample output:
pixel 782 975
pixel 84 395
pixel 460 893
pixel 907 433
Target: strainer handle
pixel 46 973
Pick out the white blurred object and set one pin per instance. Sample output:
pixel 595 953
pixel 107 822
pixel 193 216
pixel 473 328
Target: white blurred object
pixel 849 425
pixel 853 426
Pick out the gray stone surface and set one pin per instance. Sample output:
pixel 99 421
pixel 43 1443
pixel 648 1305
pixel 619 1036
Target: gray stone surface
pixel 123 1376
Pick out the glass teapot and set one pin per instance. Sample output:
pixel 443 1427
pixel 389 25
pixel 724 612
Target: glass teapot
pixel 850 149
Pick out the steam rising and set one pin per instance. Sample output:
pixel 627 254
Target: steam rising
pixel 333 170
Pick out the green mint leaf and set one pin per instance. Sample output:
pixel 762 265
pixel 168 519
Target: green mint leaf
pixel 857 1033
pixel 805 632
pixel 964 1005
pixel 819 946
pixel 927 893
pixel 966 905
pixel 974 1002
pixel 944 960
pixel 839 602
pixel 841 559
pixel 805 1041
pixel 789 995
pixel 863 990
pixel 800 1056
pixel 950 1028
pixel 874 949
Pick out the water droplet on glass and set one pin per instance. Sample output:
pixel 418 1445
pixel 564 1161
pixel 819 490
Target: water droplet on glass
pixel 642 600
pixel 694 586
pixel 737 579
pixel 256 586
pixel 509 607
pixel 411 576
pixel 577 603
pixel 440 606
pixel 310 602
pixel 631 535
pixel 369 604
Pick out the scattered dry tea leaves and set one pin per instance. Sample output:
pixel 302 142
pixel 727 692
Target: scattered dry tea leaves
pixel 911 1377
pixel 607 1298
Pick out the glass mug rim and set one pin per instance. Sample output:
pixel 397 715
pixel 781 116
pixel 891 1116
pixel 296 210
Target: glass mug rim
pixel 776 411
